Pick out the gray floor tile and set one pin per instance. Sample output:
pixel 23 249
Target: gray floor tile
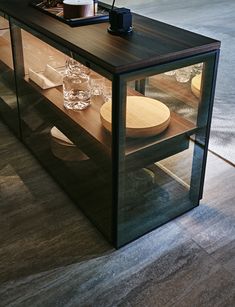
pixel 217 289
pixel 226 256
pixel 106 278
pixel 212 224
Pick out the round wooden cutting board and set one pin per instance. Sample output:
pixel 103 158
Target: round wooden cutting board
pixel 196 85
pixel 145 116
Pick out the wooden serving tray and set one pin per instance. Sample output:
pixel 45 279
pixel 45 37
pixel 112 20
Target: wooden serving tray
pixel 145 116
pixel 57 12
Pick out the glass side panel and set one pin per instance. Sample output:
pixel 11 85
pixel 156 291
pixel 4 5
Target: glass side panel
pixel 70 142
pixel 8 101
pixel 162 163
pixel 179 90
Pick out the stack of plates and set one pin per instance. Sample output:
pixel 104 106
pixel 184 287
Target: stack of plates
pixel 63 148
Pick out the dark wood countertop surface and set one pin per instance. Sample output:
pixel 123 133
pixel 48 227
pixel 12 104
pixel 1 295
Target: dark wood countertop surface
pixel 152 42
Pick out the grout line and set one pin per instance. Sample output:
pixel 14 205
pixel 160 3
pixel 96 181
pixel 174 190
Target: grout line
pixel 171 174
pixel 222 158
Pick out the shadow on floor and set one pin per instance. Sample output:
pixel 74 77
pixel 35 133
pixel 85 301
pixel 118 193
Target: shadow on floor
pixel 40 234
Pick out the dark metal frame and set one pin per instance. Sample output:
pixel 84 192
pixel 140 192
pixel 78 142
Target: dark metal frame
pixel 202 133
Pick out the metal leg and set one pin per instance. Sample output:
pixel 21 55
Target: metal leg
pixel 204 123
pixel 18 63
pixel 140 86
pixel 118 149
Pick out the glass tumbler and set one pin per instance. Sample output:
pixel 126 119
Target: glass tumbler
pixel 76 87
pixel 107 90
pixel 183 75
pixel 170 73
pixel 97 84
pixel 197 68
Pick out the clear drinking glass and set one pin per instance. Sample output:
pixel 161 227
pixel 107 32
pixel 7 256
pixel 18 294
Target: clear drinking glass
pixel 76 86
pixel 183 75
pixel 197 68
pixel 107 90
pixel 97 84
pixel 170 73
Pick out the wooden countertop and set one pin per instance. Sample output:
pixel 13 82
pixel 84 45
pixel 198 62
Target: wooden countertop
pixel 152 42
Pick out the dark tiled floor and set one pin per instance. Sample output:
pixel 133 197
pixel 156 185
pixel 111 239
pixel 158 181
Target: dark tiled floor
pixel 52 256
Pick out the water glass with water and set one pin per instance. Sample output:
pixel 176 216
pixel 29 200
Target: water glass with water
pixel 76 86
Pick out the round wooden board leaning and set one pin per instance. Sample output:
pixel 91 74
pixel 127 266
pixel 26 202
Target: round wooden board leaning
pixel 145 116
pixel 196 85
pixel 63 148
pixel 60 138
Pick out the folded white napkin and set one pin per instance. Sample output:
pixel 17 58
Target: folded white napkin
pixel 47 79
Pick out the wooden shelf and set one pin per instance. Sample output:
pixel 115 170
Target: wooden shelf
pixel 89 122
pixel 89 119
